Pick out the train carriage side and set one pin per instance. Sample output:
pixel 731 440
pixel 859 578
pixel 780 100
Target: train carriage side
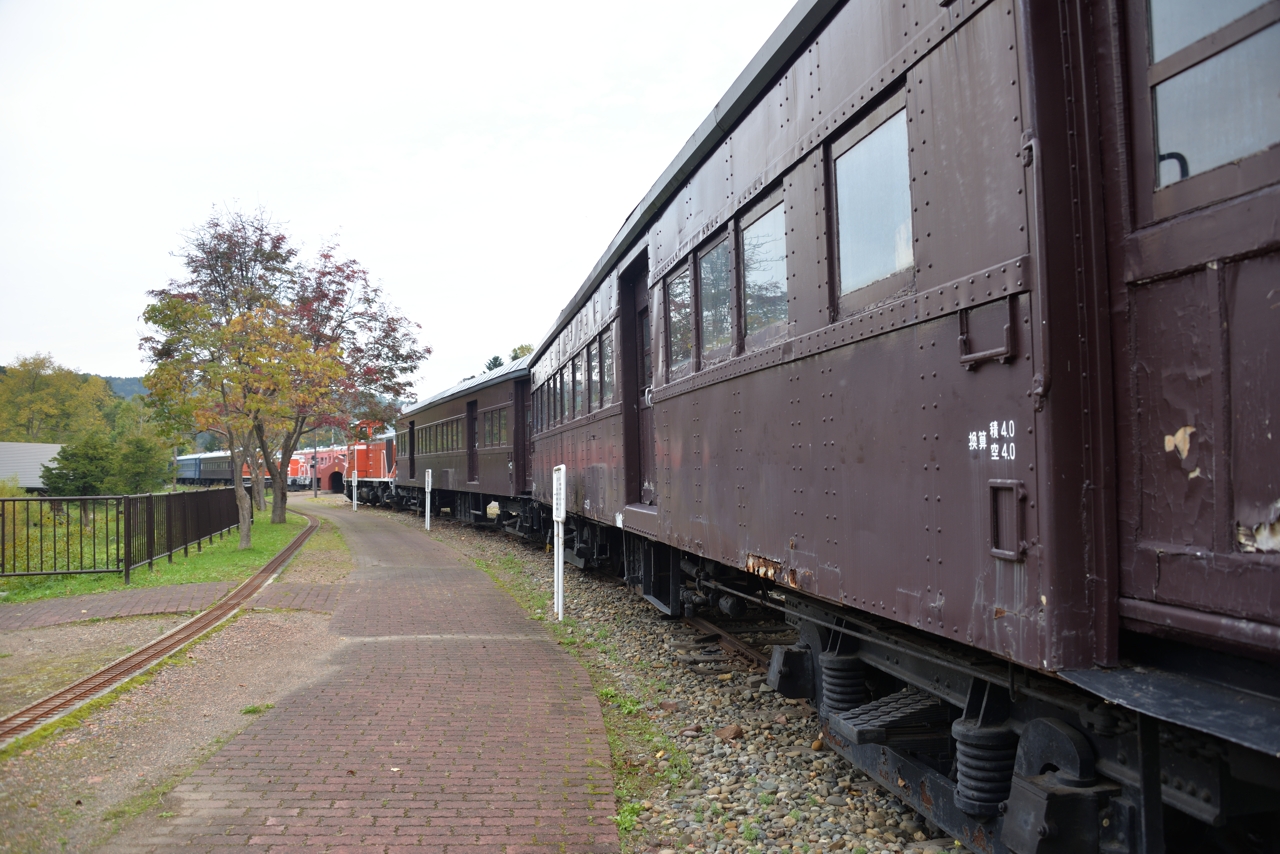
pixel 865 330
pixel 578 422
pixel 473 439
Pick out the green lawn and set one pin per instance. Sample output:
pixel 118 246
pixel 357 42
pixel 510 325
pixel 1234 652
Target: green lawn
pixel 222 561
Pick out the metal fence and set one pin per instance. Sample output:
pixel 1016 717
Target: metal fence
pixel 108 533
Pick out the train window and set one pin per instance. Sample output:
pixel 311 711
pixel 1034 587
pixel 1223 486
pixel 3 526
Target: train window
pixel 578 380
pixel 502 427
pixel 715 294
pixel 679 325
pixel 593 376
pixel 873 204
pixel 565 402
pixel 1207 93
pixel 606 368
pixel 1175 24
pixel 488 429
pixel 1219 110
pixel 764 277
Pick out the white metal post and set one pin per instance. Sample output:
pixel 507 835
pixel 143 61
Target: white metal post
pixel 355 475
pixel 428 513
pixel 557 515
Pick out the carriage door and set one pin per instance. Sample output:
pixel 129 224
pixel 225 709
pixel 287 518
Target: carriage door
pixel 473 452
pixel 522 437
pixel 637 382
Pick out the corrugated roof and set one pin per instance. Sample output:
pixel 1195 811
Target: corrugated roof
pixel 24 459
pixel 511 370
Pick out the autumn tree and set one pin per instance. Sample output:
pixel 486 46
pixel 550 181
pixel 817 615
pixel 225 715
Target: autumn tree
pixel 334 306
pixel 210 349
pixel 43 401
pixel 259 349
pixel 520 351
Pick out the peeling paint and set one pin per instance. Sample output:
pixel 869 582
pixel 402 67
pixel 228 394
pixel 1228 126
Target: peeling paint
pixel 1180 441
pixel 1264 536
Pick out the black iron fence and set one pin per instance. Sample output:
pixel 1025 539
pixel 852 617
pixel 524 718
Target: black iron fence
pixel 108 533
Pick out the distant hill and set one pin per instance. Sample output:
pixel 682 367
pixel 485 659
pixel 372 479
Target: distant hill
pixel 126 387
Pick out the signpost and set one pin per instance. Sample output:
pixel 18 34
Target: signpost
pixel 557 516
pixel 428 484
pixel 355 475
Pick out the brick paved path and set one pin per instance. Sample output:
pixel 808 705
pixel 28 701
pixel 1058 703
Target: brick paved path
pixel 449 723
pixel 303 596
pixel 173 599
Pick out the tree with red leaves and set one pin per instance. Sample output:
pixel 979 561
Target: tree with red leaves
pixel 261 349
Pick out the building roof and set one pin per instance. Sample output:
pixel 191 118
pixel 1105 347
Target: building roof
pixel 24 459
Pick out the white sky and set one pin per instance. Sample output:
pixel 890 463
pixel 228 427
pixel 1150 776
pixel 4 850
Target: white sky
pixel 476 158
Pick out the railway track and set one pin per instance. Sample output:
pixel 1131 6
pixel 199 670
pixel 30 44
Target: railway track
pixel 69 698
pixel 733 646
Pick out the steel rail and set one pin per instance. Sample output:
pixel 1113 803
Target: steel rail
pixel 69 698
pixel 728 642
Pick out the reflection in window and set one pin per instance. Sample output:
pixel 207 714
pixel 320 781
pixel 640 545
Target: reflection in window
pixel 873 204
pixel 1220 110
pixel 1178 23
pixel 593 375
pixel 502 427
pixel 562 400
pixel 606 359
pixel 764 270
pixel 577 386
pixel 680 322
pixel 715 286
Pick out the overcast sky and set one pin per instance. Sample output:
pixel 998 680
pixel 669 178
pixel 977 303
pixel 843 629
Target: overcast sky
pixel 477 158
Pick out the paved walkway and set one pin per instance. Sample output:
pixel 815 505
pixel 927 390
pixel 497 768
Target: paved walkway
pixel 302 596
pixel 173 599
pixel 448 722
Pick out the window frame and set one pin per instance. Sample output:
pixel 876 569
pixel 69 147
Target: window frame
pixel 1220 183
pixel 673 373
pixel 762 338
pixel 901 282
pixel 592 351
pixel 722 236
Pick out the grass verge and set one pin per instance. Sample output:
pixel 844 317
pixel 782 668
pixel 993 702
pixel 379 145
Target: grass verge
pixel 643 758
pixel 220 561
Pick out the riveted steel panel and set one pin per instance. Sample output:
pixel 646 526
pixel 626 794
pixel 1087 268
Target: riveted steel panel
pixel 965 127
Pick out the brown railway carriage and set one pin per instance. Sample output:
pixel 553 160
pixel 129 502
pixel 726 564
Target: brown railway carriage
pixel 474 439
pixel 942 339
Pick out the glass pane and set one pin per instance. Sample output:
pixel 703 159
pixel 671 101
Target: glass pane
pixel 593 374
pixel 606 356
pixel 502 427
pixel 764 270
pixel 577 385
pixel 680 325
pixel 1178 23
pixel 873 204
pixel 1221 110
pixel 562 415
pixel 715 284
